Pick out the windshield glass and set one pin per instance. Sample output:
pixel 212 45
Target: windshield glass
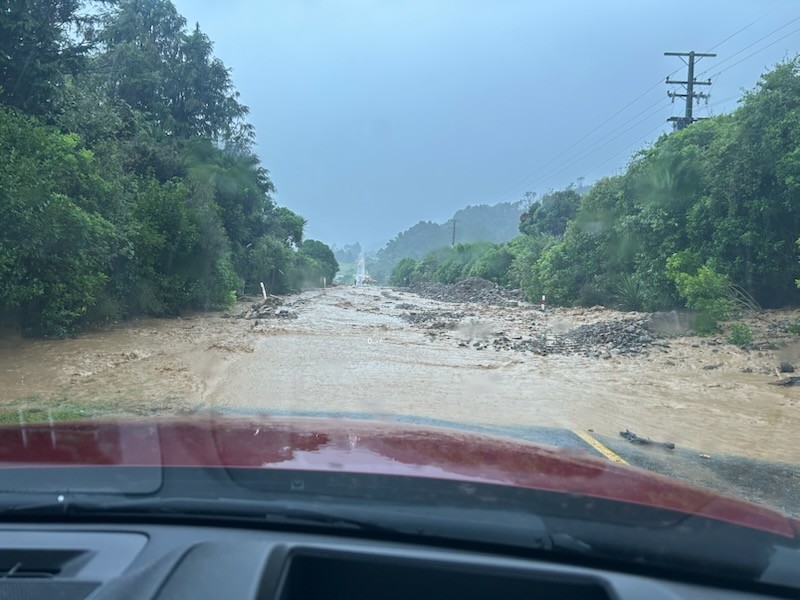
pixel 569 225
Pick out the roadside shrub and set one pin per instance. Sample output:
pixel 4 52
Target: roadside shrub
pixel 403 272
pixel 492 265
pixel 702 288
pixel 630 295
pixel 740 334
pixel 590 295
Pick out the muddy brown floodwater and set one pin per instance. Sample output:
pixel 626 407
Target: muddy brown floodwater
pixel 348 349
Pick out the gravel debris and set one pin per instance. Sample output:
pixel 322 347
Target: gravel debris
pixel 610 338
pixel 473 289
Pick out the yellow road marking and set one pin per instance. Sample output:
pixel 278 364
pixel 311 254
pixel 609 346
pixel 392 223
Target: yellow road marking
pixel 607 452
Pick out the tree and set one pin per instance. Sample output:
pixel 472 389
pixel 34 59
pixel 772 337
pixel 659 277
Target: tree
pixel 324 257
pixel 55 248
pixel 551 215
pixel 142 193
pixel 41 42
pixel 158 68
pixel 404 272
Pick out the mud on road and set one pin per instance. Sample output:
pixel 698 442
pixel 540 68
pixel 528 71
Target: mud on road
pixel 383 352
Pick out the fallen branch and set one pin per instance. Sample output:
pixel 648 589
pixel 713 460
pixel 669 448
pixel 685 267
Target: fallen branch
pixel 635 439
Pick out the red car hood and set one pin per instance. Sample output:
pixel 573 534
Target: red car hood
pixel 365 447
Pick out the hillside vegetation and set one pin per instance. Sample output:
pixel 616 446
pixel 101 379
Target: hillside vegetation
pixel 482 223
pixel 129 182
pixel 707 218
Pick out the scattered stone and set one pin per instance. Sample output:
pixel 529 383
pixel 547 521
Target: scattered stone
pixel 787 367
pixel 614 337
pixel 712 367
pixel 473 289
pixel 788 381
pixel 261 309
pixel 231 347
pixel 435 319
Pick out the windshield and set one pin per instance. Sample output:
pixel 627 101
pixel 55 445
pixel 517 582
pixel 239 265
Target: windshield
pixel 573 226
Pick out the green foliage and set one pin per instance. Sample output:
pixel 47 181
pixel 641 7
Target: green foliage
pixel 327 264
pixel 267 260
pixel 54 248
pixel 404 272
pixel 630 295
pixel 722 192
pixel 483 223
pixel 41 41
pixel 155 66
pixel 551 215
pixel 348 254
pixel 451 264
pixel 740 334
pixel 131 186
pixel 493 264
pixel 702 288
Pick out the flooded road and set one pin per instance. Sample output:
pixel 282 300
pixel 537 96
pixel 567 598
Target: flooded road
pixel 350 350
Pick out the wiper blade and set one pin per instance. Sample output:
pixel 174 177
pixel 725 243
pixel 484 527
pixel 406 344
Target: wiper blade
pixel 228 508
pixel 446 523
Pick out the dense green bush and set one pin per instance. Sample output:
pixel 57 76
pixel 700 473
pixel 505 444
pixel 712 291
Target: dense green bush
pixel 740 334
pixel 404 272
pixel 707 218
pixel 702 288
pixel 130 184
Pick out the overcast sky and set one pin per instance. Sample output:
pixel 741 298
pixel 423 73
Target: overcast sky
pixel 372 115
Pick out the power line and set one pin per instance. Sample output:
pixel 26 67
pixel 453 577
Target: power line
pixel 594 147
pixel 575 158
pixel 626 149
pixel 570 147
pixel 563 152
pixel 733 35
pixel 761 39
pixel 721 102
pixel 756 52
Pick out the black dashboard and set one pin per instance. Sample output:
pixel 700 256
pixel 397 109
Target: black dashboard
pixel 104 561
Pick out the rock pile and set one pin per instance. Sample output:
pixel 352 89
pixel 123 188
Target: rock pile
pixel 610 338
pixel 267 309
pixel 435 319
pixel 473 289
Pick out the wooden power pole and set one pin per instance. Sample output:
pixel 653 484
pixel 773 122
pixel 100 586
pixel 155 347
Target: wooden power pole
pixel 688 118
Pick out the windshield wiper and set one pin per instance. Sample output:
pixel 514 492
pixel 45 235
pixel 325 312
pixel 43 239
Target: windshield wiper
pixel 485 525
pixel 225 508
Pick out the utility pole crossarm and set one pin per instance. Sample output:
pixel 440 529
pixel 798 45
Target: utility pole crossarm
pixel 671 82
pixel 695 54
pixel 679 95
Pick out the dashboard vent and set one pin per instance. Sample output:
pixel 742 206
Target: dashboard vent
pixel 37 564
